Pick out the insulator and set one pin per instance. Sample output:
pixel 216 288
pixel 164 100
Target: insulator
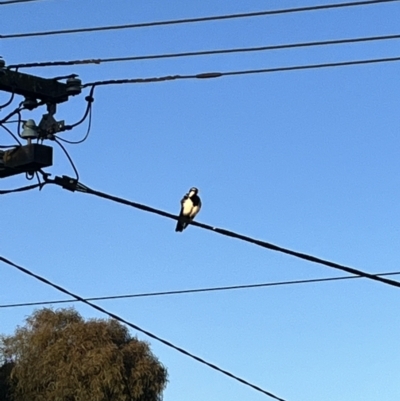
pixel 30 130
pixel 30 104
pixel 74 86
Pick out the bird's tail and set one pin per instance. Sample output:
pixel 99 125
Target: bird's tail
pixel 182 223
pixel 180 226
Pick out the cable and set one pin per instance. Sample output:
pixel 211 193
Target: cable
pixel 19 123
pixel 134 326
pixel 83 188
pixel 86 135
pixel 206 52
pixel 22 189
pixel 88 112
pixel 10 132
pixel 68 156
pixel 198 19
pixel 15 111
pixel 196 290
pixel 9 101
pixel 209 75
pixel 4 3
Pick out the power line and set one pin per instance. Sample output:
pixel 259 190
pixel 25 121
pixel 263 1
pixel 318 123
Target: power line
pixel 11 133
pixel 4 3
pixel 73 185
pixel 134 326
pixel 206 52
pixel 209 75
pixel 22 189
pixel 195 290
pixel 198 19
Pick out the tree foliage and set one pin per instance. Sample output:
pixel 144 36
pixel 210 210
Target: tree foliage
pixel 58 356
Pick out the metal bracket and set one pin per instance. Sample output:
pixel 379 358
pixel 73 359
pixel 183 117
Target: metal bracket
pixel 66 182
pixel 25 159
pixel 48 125
pixel 32 87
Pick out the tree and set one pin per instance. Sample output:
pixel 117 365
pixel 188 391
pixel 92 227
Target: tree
pixel 5 372
pixel 58 356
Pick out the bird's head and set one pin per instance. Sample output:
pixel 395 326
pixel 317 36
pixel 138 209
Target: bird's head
pixel 193 191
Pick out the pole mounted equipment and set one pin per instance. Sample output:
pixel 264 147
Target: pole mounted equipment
pixel 47 90
pixel 36 91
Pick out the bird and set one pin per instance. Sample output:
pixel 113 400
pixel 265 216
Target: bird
pixel 190 206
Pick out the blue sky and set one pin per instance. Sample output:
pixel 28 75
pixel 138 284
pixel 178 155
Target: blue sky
pixel 307 160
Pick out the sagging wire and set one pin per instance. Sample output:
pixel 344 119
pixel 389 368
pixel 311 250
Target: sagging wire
pixel 68 156
pixel 3 3
pixel 140 329
pixel 20 108
pixel 19 122
pixel 197 19
pixel 98 61
pixel 88 113
pixel 9 101
pixel 73 185
pixel 22 189
pixel 196 290
pixel 12 134
pixel 15 111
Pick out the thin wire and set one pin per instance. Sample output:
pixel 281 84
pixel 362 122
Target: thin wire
pixel 68 156
pixel 9 101
pixel 209 75
pixel 199 19
pixel 134 326
pixel 4 3
pixel 88 112
pixel 11 133
pixel 19 123
pixel 83 188
pixel 22 189
pixel 196 290
pixel 15 111
pixel 207 52
pixel 86 135
pixel 13 121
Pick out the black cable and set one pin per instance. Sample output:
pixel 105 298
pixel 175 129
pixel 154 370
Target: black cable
pixel 199 19
pixel 195 290
pixel 22 189
pixel 11 133
pixel 19 123
pixel 209 75
pixel 88 112
pixel 4 3
pixel 86 135
pixel 15 111
pixel 207 52
pixel 12 121
pixel 9 101
pixel 134 326
pixel 83 188
pixel 68 156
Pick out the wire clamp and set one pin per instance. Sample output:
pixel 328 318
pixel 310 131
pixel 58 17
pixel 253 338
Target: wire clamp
pixel 48 126
pixel 66 182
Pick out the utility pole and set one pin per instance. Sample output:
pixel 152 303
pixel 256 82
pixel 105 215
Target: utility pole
pixel 36 92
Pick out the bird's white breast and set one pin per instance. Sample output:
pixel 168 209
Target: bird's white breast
pixel 187 207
